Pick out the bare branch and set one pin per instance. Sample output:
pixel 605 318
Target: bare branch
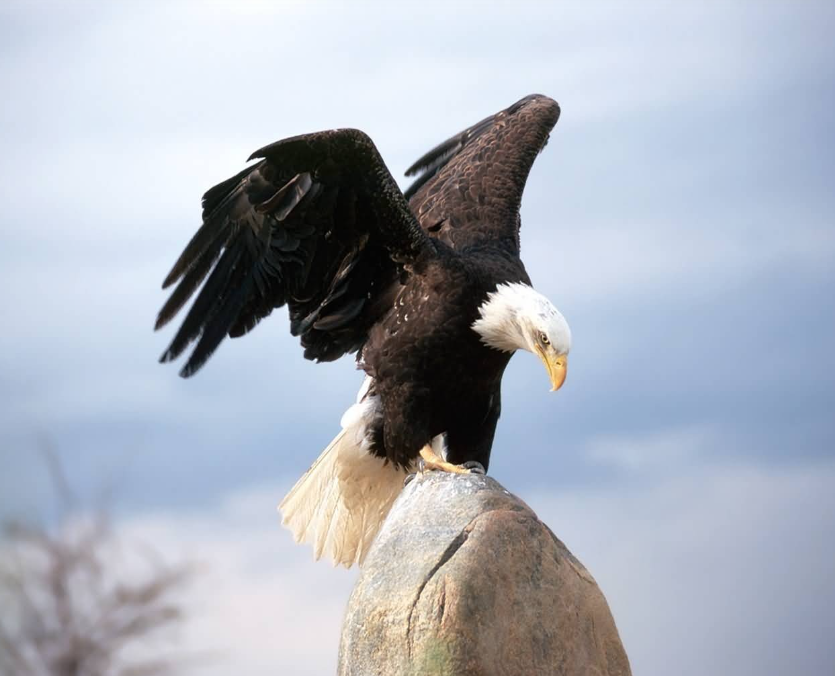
pixel 58 477
pixel 76 600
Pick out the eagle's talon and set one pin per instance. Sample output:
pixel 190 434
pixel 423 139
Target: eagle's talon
pixel 430 461
pixel 474 466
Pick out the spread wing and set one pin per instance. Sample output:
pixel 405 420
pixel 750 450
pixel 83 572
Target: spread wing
pixel 318 224
pixel 469 188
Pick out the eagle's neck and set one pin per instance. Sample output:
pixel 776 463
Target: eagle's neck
pixel 499 322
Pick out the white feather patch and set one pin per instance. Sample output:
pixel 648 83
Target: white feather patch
pixel 340 503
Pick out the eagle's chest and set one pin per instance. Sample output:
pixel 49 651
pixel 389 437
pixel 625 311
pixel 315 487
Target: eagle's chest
pixel 428 331
pixel 434 364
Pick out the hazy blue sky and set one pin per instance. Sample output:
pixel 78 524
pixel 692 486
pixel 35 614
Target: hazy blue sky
pixel 681 217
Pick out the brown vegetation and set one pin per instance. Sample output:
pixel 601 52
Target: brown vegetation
pixel 78 601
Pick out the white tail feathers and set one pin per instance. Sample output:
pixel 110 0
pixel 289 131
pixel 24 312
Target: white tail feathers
pixel 340 503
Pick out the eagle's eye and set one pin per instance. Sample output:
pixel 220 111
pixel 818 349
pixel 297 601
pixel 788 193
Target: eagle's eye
pixel 544 339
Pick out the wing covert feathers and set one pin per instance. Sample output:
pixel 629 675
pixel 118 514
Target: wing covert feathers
pixel 472 183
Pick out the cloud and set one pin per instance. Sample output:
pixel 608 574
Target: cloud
pixel 662 448
pixel 599 263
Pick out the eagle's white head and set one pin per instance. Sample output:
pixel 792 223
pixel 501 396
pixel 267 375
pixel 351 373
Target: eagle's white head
pixel 515 316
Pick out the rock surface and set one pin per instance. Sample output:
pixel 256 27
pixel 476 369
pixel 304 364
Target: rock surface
pixel 464 579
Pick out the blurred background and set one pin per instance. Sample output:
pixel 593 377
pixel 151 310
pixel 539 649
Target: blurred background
pixel 681 218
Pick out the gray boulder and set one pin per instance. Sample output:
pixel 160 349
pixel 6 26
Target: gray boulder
pixel 464 579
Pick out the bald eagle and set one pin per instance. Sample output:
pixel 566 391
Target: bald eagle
pixel 426 286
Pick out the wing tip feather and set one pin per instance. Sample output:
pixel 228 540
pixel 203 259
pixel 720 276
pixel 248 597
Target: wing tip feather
pixel 172 277
pixel 433 161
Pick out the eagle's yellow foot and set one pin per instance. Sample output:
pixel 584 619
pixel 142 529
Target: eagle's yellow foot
pixel 431 461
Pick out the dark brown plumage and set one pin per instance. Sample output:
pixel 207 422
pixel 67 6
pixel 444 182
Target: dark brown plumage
pixel 319 224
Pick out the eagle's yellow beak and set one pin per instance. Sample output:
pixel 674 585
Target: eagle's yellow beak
pixel 557 365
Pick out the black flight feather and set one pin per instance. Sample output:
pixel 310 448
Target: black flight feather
pixel 191 280
pixel 205 304
pixel 217 328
